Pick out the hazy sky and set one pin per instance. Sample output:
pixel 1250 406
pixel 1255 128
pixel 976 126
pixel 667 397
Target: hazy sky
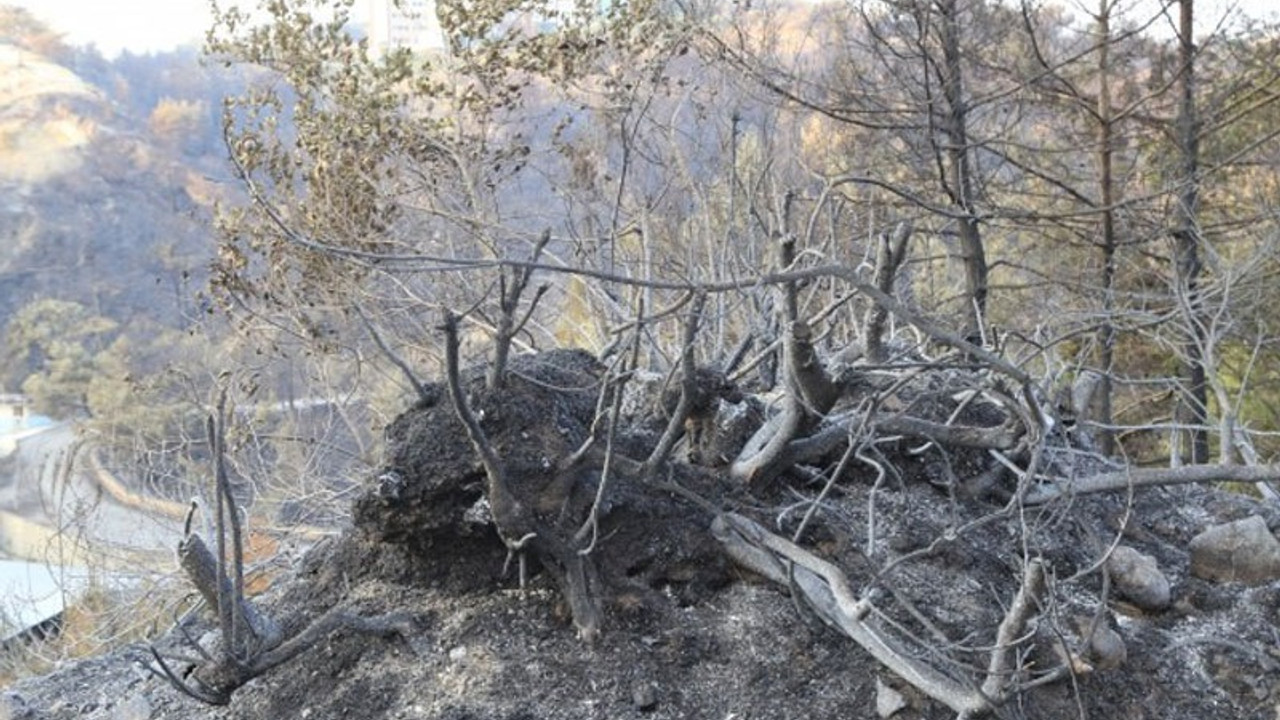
pixel 158 25
pixel 137 25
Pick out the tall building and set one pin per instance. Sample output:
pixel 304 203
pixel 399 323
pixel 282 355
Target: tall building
pixel 411 24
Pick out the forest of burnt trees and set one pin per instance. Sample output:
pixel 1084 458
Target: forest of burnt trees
pixel 1088 196
pixel 1083 194
pixel 1016 254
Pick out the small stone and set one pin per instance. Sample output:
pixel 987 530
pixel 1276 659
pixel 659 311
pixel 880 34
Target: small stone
pixel 135 707
pixel 390 486
pixel 889 702
pixel 1100 647
pixel 458 654
pixel 1241 551
pixel 644 696
pixel 13 707
pixel 1106 648
pixel 1138 579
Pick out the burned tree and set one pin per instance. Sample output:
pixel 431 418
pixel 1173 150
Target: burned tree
pixel 250 642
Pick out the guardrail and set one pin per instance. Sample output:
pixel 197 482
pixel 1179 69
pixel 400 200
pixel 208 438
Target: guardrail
pixel 122 495
pixel 112 486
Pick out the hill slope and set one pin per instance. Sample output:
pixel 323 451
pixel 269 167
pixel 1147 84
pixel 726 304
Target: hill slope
pixel 686 633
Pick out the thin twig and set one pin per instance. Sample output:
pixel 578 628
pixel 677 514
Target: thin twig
pixel 615 416
pixel 395 359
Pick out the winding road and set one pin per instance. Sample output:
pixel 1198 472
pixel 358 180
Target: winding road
pixel 51 486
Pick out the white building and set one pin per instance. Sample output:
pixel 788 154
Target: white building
pixel 17 421
pixel 14 410
pixel 411 24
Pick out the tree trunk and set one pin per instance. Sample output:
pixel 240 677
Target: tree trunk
pixel 959 180
pixel 1106 148
pixel 1187 239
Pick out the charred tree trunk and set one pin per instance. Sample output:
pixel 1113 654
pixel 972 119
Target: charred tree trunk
pixel 890 254
pixel 1106 149
pixel 810 392
pixel 959 174
pixel 1187 241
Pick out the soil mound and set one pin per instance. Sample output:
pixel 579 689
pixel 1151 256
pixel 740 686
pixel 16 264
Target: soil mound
pixel 687 632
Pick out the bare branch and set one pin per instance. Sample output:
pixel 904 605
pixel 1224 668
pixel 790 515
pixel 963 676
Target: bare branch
pixel 625 366
pixel 509 305
pixel 332 621
pixel 488 457
pixel 688 388
pixel 395 359
pixel 1000 671
pixel 240 641
pixel 1152 477
pixel 827 589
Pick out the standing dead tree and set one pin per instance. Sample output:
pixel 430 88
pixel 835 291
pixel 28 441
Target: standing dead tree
pixel 250 642
pixel 538 514
pixel 517 522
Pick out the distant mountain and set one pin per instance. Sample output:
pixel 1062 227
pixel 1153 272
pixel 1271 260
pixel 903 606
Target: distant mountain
pixel 43 128
pixel 109 173
pixel 98 204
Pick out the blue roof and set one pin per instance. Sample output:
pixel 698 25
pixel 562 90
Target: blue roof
pixel 27 422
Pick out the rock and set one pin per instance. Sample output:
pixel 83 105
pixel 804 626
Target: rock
pixel 644 696
pixel 889 702
pixel 1138 579
pixel 1106 649
pixel 1241 551
pixel 1100 647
